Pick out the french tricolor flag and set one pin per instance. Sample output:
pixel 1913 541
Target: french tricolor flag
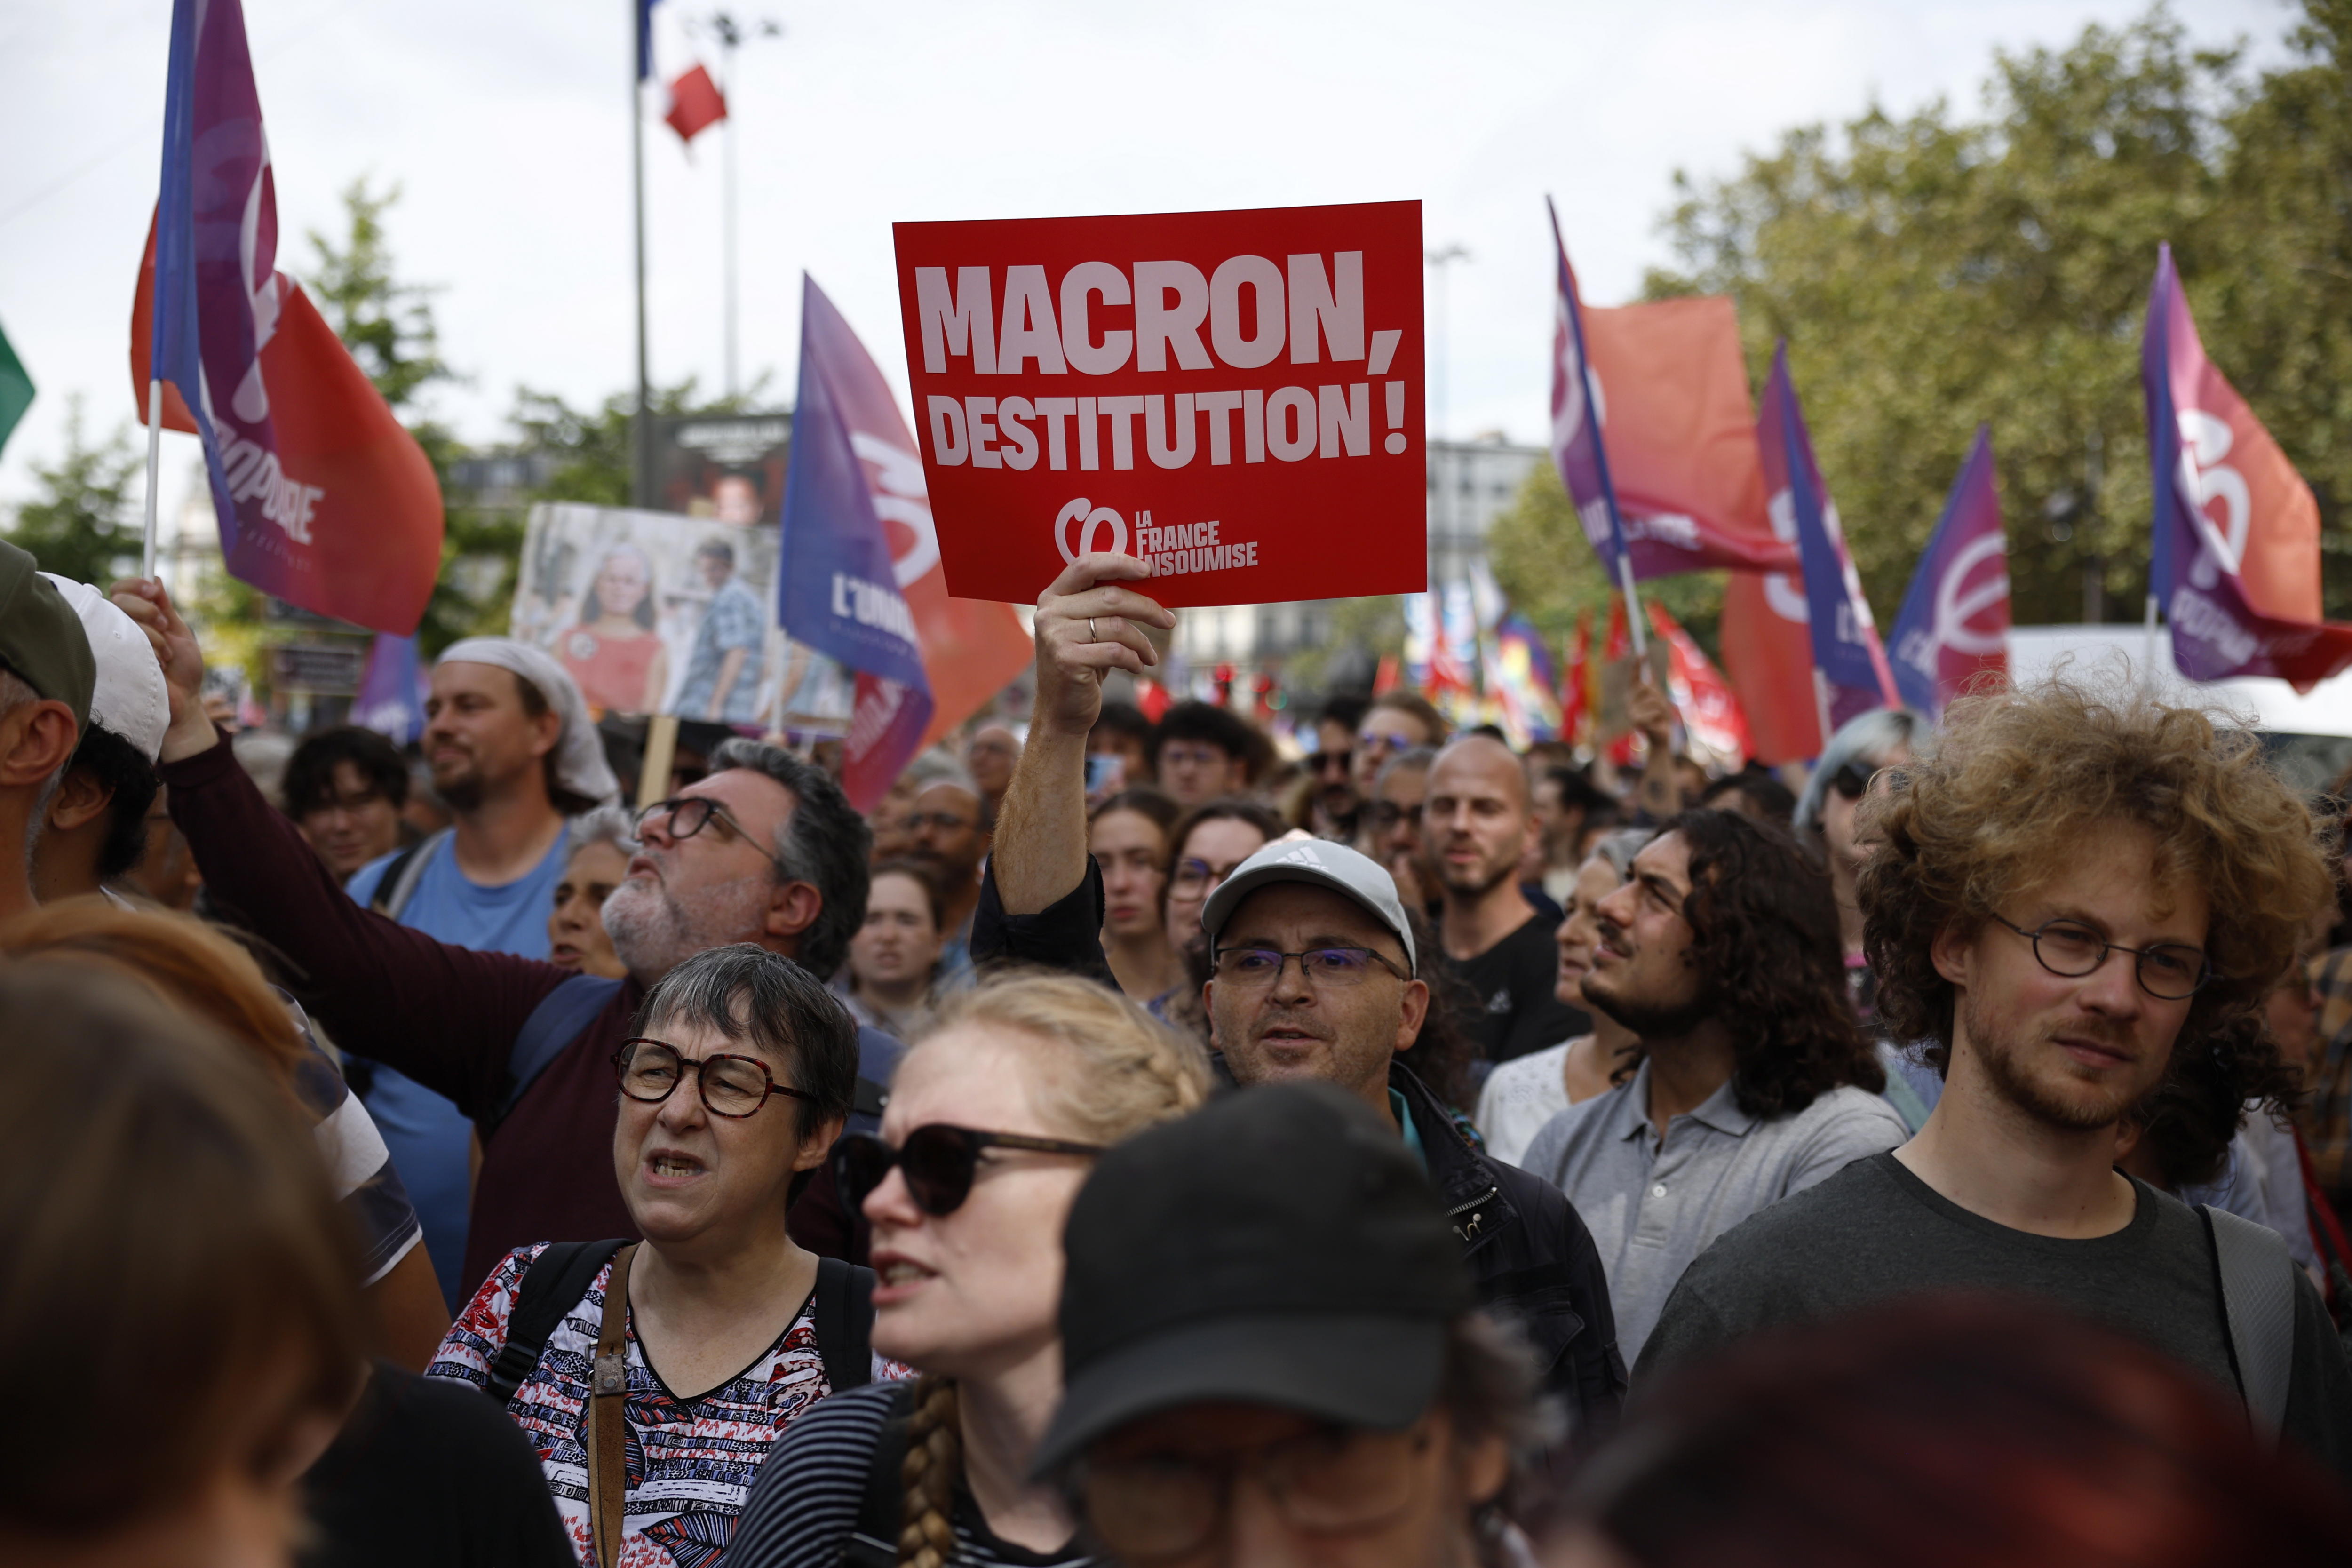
pixel 695 104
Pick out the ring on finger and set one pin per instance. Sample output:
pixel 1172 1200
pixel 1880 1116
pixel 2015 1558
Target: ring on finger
pixel 1090 630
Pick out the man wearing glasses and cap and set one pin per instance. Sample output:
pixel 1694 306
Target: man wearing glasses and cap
pixel 2073 893
pixel 1314 977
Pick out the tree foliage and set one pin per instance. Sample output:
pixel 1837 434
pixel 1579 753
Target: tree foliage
pixel 1932 271
pixel 82 524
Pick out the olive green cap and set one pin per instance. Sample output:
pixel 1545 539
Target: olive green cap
pixel 41 638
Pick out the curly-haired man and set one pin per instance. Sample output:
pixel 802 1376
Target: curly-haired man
pixel 1721 952
pixel 2074 898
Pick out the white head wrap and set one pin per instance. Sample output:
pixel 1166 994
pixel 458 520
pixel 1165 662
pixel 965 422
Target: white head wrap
pixel 580 764
pixel 129 697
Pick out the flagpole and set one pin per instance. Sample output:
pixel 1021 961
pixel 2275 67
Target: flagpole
pixel 726 38
pixel 2147 659
pixel 640 478
pixel 154 457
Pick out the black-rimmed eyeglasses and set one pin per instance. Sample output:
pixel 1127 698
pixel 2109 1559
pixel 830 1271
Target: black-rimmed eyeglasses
pixel 2168 971
pixel 683 817
pixel 732 1086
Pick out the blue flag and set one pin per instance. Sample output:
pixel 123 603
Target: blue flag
pixel 837 588
pixel 1954 627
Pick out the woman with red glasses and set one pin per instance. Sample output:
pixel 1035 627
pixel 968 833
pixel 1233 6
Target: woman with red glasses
pixel 993 1123
pixel 652 1377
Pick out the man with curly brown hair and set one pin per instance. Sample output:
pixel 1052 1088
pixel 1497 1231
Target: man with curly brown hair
pixel 1721 954
pixel 2077 898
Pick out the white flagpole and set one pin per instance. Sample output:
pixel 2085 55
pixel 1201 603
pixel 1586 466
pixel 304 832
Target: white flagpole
pixel 1634 617
pixel 154 455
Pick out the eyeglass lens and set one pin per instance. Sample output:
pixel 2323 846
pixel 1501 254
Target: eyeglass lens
pixel 730 1085
pixel 2169 971
pixel 1327 1481
pixel 938 1164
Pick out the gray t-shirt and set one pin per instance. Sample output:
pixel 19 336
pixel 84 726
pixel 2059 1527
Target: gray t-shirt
pixel 1876 1230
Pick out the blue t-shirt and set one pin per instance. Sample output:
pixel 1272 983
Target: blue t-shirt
pixel 429 1137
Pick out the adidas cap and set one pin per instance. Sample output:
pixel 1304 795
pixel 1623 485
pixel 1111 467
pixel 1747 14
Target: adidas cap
pixel 1323 864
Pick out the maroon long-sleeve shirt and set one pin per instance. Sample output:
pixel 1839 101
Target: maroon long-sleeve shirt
pixel 446 1016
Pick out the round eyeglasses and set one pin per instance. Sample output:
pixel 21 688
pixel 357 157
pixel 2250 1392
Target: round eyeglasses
pixel 2168 971
pixel 730 1086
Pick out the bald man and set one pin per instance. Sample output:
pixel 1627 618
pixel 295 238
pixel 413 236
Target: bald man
pixel 1476 825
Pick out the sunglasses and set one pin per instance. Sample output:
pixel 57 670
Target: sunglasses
pixel 938 1159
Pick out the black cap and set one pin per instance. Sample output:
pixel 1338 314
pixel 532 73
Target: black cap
pixel 1279 1248
pixel 41 636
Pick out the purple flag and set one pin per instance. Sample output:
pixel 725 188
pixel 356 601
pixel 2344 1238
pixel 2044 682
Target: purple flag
pixel 2235 562
pixel 1850 667
pixel 391 700
pixel 323 500
pixel 837 588
pixel 1954 621
pixel 1576 443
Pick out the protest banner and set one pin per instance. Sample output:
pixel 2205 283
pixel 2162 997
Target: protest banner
pixel 655 614
pixel 323 499
pixel 2235 564
pixel 1235 396
pixel 1954 627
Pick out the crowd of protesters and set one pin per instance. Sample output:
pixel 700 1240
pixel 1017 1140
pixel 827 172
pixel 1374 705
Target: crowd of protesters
pixel 1155 1140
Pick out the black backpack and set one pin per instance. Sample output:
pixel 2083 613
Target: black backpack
pixel 559 1277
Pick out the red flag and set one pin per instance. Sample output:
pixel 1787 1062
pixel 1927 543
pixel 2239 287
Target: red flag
pixel 1682 436
pixel 1576 683
pixel 695 104
pixel 364 544
pixel 1768 652
pixel 1711 714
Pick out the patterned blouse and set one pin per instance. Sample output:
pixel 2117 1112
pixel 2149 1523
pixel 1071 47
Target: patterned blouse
pixel 691 1462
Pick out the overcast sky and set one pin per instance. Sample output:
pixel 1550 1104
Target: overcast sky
pixel 505 122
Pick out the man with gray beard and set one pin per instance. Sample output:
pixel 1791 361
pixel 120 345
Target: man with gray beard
pixel 765 850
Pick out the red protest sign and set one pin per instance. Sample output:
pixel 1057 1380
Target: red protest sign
pixel 1236 397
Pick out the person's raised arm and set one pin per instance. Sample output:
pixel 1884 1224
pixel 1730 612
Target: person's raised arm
pixel 1086 624
pixel 1653 713
pixel 445 1016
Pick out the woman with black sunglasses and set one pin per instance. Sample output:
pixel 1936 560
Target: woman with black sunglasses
pixel 993 1123
pixel 1824 824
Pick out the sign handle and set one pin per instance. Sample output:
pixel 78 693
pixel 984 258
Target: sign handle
pixel 661 750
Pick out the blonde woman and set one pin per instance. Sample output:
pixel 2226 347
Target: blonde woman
pixel 994 1121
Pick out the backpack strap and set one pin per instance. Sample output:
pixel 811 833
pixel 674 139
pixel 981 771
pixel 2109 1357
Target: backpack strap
pixel 553 1284
pixel 882 1508
pixel 398 883
pixel 2258 1301
pixel 844 1323
pixel 561 1016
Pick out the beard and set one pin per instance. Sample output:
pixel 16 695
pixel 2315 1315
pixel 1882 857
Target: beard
pixel 1647 1018
pixel 1479 881
pixel 653 931
pixel 464 789
pixel 2006 1068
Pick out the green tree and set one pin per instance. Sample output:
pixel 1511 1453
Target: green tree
pixel 84 523
pixel 1932 271
pixel 386 324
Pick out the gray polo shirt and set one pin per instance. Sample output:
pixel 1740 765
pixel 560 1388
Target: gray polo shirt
pixel 1653 1206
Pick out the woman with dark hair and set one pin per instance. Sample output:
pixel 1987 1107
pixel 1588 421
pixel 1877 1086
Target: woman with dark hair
pixel 620 662
pixel 1204 847
pixel 892 982
pixel 345 789
pixel 1128 837
pixel 709 1336
pixel 1944 1432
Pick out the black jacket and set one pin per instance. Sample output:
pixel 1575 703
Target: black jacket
pixel 1528 1248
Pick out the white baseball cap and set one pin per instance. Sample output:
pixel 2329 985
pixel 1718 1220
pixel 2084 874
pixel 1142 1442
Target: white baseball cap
pixel 1323 865
pixel 129 697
